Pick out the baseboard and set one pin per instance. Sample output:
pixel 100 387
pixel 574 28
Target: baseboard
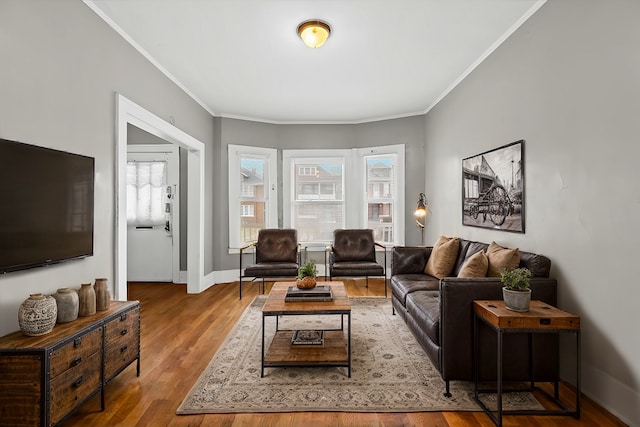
pixel 616 397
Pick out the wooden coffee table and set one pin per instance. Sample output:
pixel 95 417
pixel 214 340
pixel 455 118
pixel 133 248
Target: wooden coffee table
pixel 336 350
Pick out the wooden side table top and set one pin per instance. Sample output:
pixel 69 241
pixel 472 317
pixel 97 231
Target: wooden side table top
pixel 276 305
pixel 540 317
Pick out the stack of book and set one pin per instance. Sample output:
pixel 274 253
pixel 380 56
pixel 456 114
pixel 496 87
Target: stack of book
pixel 307 338
pixel 319 293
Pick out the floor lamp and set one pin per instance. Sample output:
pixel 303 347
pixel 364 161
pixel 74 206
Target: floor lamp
pixel 421 215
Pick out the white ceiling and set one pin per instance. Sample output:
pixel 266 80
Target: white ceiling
pixel 384 59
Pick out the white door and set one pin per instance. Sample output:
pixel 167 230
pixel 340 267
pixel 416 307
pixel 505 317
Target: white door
pixel 152 213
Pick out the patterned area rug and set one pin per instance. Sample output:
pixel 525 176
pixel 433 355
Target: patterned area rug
pixel 390 371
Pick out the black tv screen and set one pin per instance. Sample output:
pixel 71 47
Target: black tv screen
pixel 46 210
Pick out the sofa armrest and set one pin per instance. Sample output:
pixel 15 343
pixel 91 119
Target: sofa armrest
pixel 409 259
pixel 456 317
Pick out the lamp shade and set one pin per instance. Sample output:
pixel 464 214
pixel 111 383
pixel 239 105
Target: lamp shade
pixel 314 33
pixel 421 211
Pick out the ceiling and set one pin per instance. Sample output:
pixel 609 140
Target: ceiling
pixel 384 59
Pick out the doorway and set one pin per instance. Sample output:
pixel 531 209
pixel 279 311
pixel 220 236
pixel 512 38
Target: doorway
pixel 130 113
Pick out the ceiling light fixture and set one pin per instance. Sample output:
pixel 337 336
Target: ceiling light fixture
pixel 314 32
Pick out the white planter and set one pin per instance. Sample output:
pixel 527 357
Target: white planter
pixel 516 300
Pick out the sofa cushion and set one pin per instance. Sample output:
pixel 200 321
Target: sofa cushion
pixel 501 259
pixel 443 257
pixel 475 266
pixel 424 308
pixel 403 284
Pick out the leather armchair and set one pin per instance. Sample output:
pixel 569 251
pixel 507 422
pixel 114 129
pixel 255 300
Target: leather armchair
pixel 353 254
pixel 276 255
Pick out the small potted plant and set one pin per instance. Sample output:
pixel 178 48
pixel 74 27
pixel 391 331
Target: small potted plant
pixel 307 275
pixel 516 292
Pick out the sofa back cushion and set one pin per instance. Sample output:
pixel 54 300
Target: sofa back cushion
pixel 443 257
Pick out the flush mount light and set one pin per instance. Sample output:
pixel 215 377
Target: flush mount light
pixel 314 32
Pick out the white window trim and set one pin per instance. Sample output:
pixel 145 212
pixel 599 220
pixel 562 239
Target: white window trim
pixel 398 191
pixel 288 158
pixel 235 193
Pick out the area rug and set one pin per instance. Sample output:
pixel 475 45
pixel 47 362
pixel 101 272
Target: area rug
pixel 390 371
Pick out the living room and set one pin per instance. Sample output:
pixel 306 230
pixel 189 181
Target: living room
pixel 565 82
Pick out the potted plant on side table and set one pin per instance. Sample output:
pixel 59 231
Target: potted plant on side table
pixel 516 292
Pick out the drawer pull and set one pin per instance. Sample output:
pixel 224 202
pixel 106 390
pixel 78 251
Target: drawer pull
pixel 124 348
pixel 76 361
pixel 77 342
pixel 123 332
pixel 77 382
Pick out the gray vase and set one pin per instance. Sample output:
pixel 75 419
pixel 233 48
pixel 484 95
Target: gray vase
pixel 67 301
pixel 516 300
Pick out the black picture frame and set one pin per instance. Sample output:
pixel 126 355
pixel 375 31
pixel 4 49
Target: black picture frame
pixel 493 189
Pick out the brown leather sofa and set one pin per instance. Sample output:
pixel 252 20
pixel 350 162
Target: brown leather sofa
pixel 439 313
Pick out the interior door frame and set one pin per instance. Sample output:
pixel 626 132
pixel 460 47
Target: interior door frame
pixel 173 152
pixel 128 112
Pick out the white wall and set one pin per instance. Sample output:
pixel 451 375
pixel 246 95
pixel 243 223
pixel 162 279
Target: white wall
pixel 61 67
pixel 568 83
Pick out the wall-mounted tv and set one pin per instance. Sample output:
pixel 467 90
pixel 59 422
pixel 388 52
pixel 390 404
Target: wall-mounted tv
pixel 46 207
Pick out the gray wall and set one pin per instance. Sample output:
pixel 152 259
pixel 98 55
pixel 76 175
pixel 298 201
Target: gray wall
pixel 567 83
pixel 61 67
pixel 408 131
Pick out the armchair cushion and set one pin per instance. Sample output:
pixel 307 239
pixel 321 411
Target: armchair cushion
pixel 354 245
pixel 276 245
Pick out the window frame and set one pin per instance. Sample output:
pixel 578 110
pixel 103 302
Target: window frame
pixel 235 153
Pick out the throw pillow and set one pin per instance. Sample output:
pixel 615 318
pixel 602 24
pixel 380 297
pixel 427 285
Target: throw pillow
pixel 501 259
pixel 443 257
pixel 475 266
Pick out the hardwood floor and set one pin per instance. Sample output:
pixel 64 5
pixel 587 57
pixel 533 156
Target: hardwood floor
pixel 180 333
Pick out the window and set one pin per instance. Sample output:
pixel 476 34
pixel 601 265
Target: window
pixel 146 192
pixel 252 193
pixel 314 185
pixel 382 179
pixel 248 210
pixel 307 170
pixel 323 190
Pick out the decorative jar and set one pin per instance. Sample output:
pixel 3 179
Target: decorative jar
pixel 86 300
pixel 103 299
pixel 67 302
pixel 37 315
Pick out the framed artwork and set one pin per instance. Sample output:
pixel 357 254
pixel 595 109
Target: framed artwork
pixel 493 189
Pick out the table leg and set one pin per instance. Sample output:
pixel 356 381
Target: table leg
pixel 499 375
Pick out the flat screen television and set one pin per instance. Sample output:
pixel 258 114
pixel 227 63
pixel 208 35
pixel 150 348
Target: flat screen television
pixel 46 208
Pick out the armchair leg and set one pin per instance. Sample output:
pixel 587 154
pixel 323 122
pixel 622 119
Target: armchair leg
pixel 366 281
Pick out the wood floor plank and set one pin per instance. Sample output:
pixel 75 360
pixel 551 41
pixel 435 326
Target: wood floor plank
pixel 181 332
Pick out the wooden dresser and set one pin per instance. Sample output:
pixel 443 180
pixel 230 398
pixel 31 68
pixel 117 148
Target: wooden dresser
pixel 43 379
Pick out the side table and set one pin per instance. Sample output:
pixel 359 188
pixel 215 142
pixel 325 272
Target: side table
pixel 541 318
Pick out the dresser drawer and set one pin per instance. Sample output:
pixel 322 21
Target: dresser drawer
pixel 120 354
pixel 75 385
pixel 75 352
pixel 127 323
